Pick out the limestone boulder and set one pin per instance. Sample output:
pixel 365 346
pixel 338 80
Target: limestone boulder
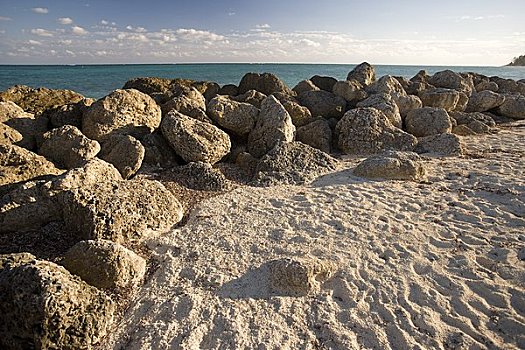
pixel 487 86
pixel 194 140
pixel 267 83
pixel 38 100
pixel 508 86
pixel 124 112
pixel 421 77
pixel 385 104
pixel 292 163
pixel 105 265
pixel 386 85
pixel 70 114
pixel 157 151
pixel 351 90
pixel 440 98
pixel 463 118
pixel 323 103
pixel 463 130
pixel 484 101
pixel 68 147
pixel 364 73
pixel 274 124
pixel 304 86
pixel 199 176
pixel 513 106
pixel 428 121
pixel 368 131
pixel 324 83
pixel 149 85
pixel 45 307
pixel 125 152
pixel 229 90
pixel 445 144
pixel 392 165
pixel 407 103
pixel 479 127
pixel 192 107
pixel 451 80
pixel 237 117
pixel 30 127
pixel 252 97
pixel 317 134
pixel 8 135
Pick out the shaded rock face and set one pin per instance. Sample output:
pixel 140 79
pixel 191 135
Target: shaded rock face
pixel 149 85
pixel 237 117
pixel 484 101
pixel 421 77
pixel 364 73
pixel 229 90
pixel 392 165
pixel 8 135
pixel 292 163
pixel 70 114
pixel 508 86
pixel 124 112
pixel 317 134
pixel 445 144
pixel 125 152
pixel 274 124
pixel 105 264
pixel 199 176
pixel 368 131
pixel 324 83
pixel 121 211
pixel 38 100
pixel 407 103
pixel 304 86
pixel 385 104
pixel 463 130
pixel 300 114
pixel 157 151
pixel 68 147
pixel 487 85
pixel 45 307
pixel 428 121
pixel 267 83
pixel 351 90
pixel 192 107
pixel 462 118
pixel 323 103
pixel 440 98
pixel 513 107
pixel 193 140
pixel 451 80
pixel 19 123
pixel 18 164
pixel 253 97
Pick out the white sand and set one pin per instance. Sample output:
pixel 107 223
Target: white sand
pixel 420 265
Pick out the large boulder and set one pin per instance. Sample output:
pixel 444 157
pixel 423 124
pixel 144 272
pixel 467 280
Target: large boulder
pixel 304 86
pixel 324 83
pixel 194 140
pixel 237 117
pixel 292 163
pixel 229 90
pixel 124 112
pixel 508 86
pixel 105 264
pixel 386 85
pixel 300 114
pixel 385 104
pixel 368 131
pixel 31 128
pixel 445 144
pixel 428 121
pixel 487 85
pixel 125 152
pixel 18 164
pixel 392 165
pixel 149 85
pixel 123 211
pixel 45 307
pixel 451 80
pixel 157 151
pixel 406 103
pixel 513 107
pixel 192 107
pixel 68 147
pixel 364 73
pixel 274 124
pixel 440 98
pixel 38 100
pixel 70 114
pixel 252 97
pixel 323 103
pixel 267 83
pixel 484 101
pixel 317 134
pixel 351 90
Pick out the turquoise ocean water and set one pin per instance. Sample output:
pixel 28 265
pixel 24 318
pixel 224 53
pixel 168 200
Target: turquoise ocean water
pixel 98 80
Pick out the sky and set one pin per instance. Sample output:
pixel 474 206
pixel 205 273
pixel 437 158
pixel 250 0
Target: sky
pixel 423 32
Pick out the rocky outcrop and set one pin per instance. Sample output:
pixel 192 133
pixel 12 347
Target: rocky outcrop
pixel 428 121
pixel 316 134
pixel 31 128
pixel 68 147
pixel 237 117
pixel 368 131
pixel 364 73
pixel 446 144
pixel 45 307
pixel 292 163
pixel 253 97
pixel 392 165
pixel 125 152
pixel 513 106
pixel 385 104
pixel 323 103
pixel 105 265
pixel 193 140
pixel 123 112
pixel 324 83
pixel 304 86
pixel 274 124
pixel 267 83
pixel 38 100
pixel 351 90
pixel 484 101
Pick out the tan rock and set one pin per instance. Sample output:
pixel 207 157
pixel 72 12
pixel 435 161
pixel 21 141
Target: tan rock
pixel 428 121
pixel 364 73
pixel 317 134
pixel 125 152
pixel 237 117
pixel 392 165
pixel 38 100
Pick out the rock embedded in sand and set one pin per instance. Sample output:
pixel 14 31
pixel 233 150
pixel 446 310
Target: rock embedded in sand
pixel 267 83
pixel 484 101
pixel 385 104
pixel 445 144
pixel 68 147
pixel 194 140
pixel 368 131
pixel 467 118
pixel 124 112
pixel 38 100
pixel 237 117
pixel 392 165
pixel 323 103
pixel 45 307
pixel 292 163
pixel 513 107
pixel 125 152
pixel 105 264
pixel 199 176
pixel 317 134
pixel 428 121
pixel 364 73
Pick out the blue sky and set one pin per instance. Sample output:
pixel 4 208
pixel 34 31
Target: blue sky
pixel 446 32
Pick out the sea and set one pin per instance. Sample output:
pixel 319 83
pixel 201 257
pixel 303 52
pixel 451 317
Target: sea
pixel 99 80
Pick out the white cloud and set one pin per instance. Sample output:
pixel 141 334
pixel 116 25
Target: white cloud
pixel 40 10
pixel 65 20
pixel 104 22
pixel 4 18
pixel 42 32
pixel 231 13
pixel 263 26
pixel 136 29
pixel 198 35
pixel 79 30
pixel 34 42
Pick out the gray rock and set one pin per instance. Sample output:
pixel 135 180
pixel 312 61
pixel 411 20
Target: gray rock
pixel 513 107
pixel 45 307
pixel 351 90
pixel 68 147
pixel 364 73
pixel 440 98
pixel 125 152
pixel 274 124
pixel 386 85
pixel 392 165
pixel 479 127
pixel 237 117
pixel 385 104
pixel 428 121
pixel 463 130
pixel 267 83
pixel 484 101
pixel 300 114
pixel 316 134
pixel 368 131
pixel 105 265
pixel 199 176
pixel 304 86
pixel 124 112
pixel 442 144
pixel 487 86
pixel 292 163
pixel 407 103
pixel 324 83
pixel 323 104
pixel 451 80
pixel 193 140
pixel 421 77
pixel 253 97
